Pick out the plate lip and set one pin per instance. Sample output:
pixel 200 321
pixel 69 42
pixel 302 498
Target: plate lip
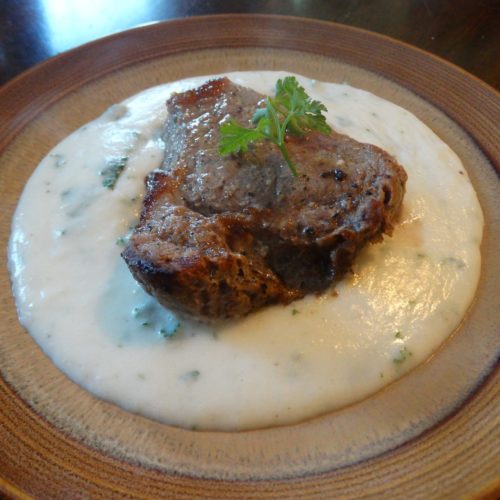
pixel 124 33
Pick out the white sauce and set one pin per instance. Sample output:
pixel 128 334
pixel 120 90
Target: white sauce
pixel 282 364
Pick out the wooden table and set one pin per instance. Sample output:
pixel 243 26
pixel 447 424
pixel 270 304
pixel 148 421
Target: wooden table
pixel 465 32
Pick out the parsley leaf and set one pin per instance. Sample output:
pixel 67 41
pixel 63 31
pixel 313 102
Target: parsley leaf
pixel 290 111
pixel 235 138
pixel 114 168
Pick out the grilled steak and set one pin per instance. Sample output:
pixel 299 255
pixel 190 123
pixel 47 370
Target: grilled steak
pixel 221 237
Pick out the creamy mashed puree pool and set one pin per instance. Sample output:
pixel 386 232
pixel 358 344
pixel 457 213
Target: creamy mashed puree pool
pixel 78 300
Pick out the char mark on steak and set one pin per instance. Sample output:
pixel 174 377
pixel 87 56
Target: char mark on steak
pixel 219 237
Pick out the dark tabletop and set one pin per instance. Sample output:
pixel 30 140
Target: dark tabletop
pixel 465 32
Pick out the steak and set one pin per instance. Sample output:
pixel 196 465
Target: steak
pixel 219 237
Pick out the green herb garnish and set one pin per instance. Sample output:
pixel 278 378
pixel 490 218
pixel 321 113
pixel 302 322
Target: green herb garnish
pixel 404 354
pixel 190 376
pixel 112 171
pixel 290 111
pixel 167 332
pixel 60 160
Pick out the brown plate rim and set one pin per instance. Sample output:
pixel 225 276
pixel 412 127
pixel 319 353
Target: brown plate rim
pixel 468 84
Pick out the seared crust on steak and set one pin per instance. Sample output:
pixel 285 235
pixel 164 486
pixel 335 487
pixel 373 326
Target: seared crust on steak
pixel 219 237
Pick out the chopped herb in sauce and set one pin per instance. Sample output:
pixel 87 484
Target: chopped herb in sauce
pixel 458 263
pixel 113 170
pixel 190 376
pixel 295 312
pixel 123 240
pixel 169 332
pixel 60 232
pixel 404 354
pixel 77 205
pixel 60 159
pixel 398 335
pixel 150 316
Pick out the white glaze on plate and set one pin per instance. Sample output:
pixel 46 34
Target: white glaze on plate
pixel 279 365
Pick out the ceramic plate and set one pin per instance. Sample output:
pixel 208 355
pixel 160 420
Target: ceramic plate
pixel 433 433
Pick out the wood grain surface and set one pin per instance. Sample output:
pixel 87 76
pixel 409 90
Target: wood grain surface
pixel 433 434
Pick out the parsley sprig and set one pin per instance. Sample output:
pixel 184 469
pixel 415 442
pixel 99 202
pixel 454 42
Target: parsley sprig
pixel 290 111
